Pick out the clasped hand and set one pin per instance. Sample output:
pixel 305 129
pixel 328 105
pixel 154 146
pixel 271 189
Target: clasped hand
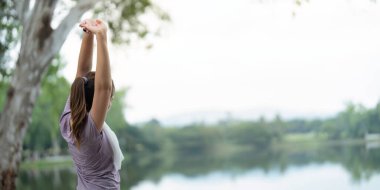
pixel 94 26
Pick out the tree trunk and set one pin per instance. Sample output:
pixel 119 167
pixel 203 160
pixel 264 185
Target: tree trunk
pixel 21 96
pixel 39 44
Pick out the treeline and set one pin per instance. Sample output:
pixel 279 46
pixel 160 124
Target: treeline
pixel 352 123
pixel 43 136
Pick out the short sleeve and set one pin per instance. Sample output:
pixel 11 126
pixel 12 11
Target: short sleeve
pixel 64 121
pixel 66 110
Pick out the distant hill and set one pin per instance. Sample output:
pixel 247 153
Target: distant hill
pixel 212 117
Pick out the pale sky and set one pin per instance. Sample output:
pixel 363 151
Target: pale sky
pixel 250 57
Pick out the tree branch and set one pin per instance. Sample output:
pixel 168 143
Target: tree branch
pixel 22 9
pixel 59 35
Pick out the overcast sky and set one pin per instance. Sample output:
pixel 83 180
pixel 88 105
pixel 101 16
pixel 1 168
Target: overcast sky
pixel 243 55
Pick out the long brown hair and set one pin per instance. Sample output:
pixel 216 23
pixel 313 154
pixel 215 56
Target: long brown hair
pixel 81 96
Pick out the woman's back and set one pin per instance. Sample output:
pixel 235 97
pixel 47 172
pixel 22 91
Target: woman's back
pixel 93 160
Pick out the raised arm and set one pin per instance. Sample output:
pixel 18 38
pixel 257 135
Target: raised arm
pixel 103 81
pixel 85 55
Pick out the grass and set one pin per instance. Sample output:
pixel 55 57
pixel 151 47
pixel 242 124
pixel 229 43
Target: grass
pixel 302 137
pixel 49 163
pixel 46 164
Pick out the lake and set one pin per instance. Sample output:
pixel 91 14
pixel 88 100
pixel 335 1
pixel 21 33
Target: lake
pixel 318 176
pixel 343 167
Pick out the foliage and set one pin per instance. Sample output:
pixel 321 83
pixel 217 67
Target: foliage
pixel 115 116
pixel 124 17
pixel 9 35
pixel 354 122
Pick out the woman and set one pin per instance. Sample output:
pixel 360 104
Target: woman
pixel 93 146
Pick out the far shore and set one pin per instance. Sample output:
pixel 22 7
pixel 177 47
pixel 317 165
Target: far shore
pixel 292 142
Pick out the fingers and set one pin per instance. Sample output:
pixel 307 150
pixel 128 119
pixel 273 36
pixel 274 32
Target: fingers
pixel 92 25
pixel 87 31
pixel 84 25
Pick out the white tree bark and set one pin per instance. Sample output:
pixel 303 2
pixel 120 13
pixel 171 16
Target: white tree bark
pixel 39 44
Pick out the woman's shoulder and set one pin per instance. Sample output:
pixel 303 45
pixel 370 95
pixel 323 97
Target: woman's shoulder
pixel 89 133
pixel 65 127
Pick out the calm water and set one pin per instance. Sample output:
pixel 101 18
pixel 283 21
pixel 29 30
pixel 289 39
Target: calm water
pixel 319 176
pixel 334 167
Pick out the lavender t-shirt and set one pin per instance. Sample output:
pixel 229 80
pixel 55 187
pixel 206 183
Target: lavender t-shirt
pixel 93 161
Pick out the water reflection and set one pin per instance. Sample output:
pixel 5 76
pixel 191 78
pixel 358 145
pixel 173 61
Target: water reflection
pixel 357 162
pixel 310 177
pixel 56 178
